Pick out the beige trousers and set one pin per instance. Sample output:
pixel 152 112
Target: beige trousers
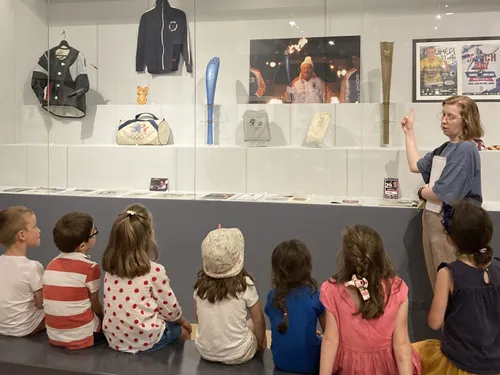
pixel 436 248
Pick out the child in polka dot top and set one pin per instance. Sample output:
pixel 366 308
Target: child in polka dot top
pixel 141 312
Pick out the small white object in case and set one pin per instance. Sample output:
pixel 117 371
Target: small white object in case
pixel 145 129
pixel 317 129
pixel 256 126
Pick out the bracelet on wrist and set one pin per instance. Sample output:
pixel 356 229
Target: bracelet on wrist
pixel 420 193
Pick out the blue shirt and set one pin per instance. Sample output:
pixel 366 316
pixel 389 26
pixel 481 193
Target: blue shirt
pixel 298 349
pixel 461 177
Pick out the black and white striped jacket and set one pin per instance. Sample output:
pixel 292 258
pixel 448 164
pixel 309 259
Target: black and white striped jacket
pixel 60 82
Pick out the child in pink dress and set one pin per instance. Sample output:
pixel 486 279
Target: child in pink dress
pixel 367 312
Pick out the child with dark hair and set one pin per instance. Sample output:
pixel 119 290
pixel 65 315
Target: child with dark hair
pixel 73 310
pixel 294 308
pixel 367 312
pixel 225 294
pixel 466 304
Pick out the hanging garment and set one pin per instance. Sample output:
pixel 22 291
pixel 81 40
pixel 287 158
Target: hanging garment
pixel 163 37
pixel 60 82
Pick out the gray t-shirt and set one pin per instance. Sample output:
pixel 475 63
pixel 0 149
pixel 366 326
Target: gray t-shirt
pixel 461 177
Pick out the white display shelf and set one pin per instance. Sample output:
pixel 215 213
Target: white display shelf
pixel 337 171
pixel 233 197
pixel 352 125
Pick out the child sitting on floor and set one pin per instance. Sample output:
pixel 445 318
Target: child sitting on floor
pixel 21 300
pixel 141 310
pixel 224 294
pixel 294 308
pixel 466 302
pixel 73 310
pixel 367 312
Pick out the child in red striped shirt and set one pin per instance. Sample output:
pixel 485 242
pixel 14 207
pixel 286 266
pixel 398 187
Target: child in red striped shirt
pixel 73 311
pixel 141 310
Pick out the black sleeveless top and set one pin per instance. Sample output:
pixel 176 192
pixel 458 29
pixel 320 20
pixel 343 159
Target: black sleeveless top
pixel 471 334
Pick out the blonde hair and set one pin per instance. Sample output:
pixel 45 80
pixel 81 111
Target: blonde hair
pixel 131 241
pixel 471 119
pixel 12 221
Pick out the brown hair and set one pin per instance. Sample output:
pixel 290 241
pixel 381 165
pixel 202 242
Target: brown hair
pixel 131 243
pixel 291 268
pixel 215 290
pixel 72 230
pixel 471 230
pixel 12 221
pixel 471 119
pixel 363 255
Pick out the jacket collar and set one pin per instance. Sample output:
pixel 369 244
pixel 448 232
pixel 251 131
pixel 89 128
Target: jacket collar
pixel 74 256
pixel 164 2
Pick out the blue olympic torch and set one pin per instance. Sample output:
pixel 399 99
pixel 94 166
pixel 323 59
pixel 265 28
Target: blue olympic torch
pixel 212 75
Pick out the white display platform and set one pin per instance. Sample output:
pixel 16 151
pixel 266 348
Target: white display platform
pixel 229 197
pixel 346 172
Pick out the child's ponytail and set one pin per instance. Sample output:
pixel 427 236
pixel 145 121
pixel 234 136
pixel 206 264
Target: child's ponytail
pixel 470 229
pixel 483 256
pixel 280 301
pixel 131 244
pixel 364 264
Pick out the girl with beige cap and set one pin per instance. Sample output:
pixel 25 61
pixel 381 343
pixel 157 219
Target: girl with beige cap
pixel 224 294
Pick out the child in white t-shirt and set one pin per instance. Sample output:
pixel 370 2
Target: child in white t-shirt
pixel 224 294
pixel 21 297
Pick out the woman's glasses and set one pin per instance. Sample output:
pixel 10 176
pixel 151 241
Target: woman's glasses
pixel 448 117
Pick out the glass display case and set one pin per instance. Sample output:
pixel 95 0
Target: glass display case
pixel 278 101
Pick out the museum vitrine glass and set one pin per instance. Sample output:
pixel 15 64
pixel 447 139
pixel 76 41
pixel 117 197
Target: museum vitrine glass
pixel 279 101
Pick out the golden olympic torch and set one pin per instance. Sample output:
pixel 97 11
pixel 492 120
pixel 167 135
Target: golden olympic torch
pixel 386 54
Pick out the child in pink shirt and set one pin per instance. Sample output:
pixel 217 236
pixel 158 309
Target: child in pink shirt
pixel 367 312
pixel 141 312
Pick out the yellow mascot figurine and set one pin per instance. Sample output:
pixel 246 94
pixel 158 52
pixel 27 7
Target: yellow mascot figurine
pixel 142 94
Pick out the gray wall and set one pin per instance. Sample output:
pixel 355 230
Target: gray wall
pixel 181 226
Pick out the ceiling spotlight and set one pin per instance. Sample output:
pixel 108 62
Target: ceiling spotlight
pixel 331 42
pixel 272 65
pixel 446 6
pixel 450 14
pixel 438 16
pixel 292 23
pixel 435 27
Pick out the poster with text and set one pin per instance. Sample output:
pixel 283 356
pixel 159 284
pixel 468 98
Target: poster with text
pixel 481 70
pixel 456 66
pixel 436 73
pixel 305 70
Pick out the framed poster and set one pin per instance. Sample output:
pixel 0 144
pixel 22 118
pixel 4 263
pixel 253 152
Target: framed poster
pixel 305 70
pixel 456 66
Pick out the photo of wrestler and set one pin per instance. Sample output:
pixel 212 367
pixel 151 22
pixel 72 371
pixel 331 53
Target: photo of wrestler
pixel 438 70
pixel 305 70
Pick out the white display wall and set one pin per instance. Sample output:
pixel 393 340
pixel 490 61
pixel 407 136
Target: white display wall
pixel 39 150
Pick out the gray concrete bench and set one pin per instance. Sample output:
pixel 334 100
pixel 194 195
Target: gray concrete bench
pixel 35 356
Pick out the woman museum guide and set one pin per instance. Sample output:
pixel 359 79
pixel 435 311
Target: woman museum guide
pixel 460 178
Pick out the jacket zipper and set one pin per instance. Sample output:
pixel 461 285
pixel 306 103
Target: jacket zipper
pixel 163 36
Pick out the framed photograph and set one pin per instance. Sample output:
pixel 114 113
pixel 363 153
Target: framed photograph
pixel 158 184
pixel 456 66
pixel 305 70
pixel 391 188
